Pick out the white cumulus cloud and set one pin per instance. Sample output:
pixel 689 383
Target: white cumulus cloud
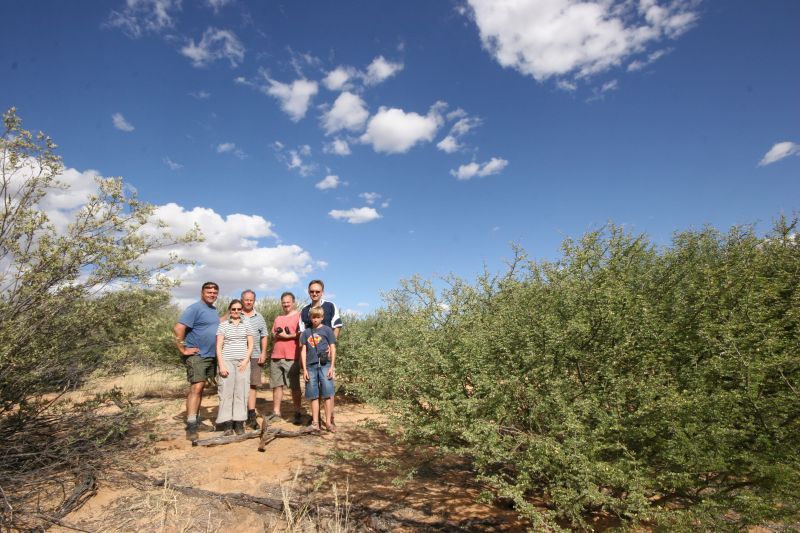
pixel 471 170
pixel 380 70
pixel 779 151
pixel 215 44
pixel 232 253
pixel 546 38
pixel 349 112
pixel 120 123
pixel 337 147
pixel 393 130
pixel 294 97
pixel 340 78
pixel 357 215
pixel 449 145
pixel 330 182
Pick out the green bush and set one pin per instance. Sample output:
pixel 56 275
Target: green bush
pixel 655 385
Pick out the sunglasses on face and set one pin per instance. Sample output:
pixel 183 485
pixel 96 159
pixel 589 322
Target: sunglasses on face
pixel 237 309
pixel 314 292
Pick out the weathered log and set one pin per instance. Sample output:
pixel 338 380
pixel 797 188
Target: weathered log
pixel 383 518
pixel 226 439
pixel 267 434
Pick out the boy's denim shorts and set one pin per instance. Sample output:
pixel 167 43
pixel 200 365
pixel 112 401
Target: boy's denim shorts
pixel 318 383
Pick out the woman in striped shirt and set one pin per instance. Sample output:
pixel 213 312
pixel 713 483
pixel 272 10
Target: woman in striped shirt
pixel 234 348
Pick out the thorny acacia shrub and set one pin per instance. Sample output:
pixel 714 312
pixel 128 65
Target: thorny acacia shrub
pixel 50 277
pixel 659 385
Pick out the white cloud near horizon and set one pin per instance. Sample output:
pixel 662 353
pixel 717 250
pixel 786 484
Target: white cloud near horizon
pixel 144 16
pixel 473 169
pixel 576 38
pixel 357 215
pixel 349 112
pixel 294 98
pixel 394 131
pixel 330 182
pixel 779 151
pixel 231 254
pixel 120 123
pixel 215 44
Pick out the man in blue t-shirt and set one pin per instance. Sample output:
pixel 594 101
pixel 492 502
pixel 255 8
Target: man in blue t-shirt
pixel 196 337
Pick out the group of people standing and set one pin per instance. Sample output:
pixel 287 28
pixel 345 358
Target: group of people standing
pixel 234 350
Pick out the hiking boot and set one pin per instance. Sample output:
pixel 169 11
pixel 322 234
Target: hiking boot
pixel 191 431
pixel 238 427
pixel 252 423
pixel 297 419
pixel 227 428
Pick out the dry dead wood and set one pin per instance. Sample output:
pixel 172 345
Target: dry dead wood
pixel 371 518
pixel 267 435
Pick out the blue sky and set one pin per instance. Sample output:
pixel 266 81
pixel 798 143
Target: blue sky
pixel 363 142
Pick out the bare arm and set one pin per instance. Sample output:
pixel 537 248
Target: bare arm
pixel 180 335
pixel 223 370
pixel 332 352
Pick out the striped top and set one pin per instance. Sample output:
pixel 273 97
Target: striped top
pixel 234 346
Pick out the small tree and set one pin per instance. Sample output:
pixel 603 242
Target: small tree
pixel 49 276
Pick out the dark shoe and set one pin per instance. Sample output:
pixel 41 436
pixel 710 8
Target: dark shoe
pixel 297 419
pixel 252 423
pixel 191 431
pixel 238 427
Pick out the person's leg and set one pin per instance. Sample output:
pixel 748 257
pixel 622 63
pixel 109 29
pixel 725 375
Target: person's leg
pixel 193 400
pixel 315 412
pixel 326 389
pixel 255 382
pixel 240 391
pixel 277 398
pixel 294 385
pixel 328 412
pixel 225 389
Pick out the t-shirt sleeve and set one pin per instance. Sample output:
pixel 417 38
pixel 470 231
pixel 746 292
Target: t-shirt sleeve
pixel 188 317
pixel 336 321
pixel 262 328
pixel 331 337
pixel 221 329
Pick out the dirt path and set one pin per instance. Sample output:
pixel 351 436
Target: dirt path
pixel 388 487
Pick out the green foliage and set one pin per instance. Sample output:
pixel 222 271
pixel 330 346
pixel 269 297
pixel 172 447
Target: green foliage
pixel 655 385
pixel 55 323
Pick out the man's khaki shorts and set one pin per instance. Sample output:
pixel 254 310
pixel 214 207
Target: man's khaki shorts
pixel 200 369
pixel 255 372
pixel 284 373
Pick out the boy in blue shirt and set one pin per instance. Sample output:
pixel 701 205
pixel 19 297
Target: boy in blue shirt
pixel 318 356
